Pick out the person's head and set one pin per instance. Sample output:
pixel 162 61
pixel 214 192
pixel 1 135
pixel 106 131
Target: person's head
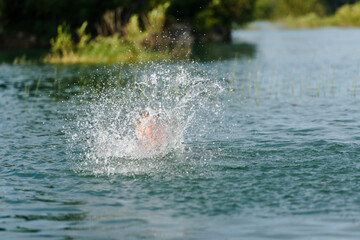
pixel 147 113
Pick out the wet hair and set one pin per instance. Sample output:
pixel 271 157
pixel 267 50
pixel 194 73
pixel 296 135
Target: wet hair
pixel 144 113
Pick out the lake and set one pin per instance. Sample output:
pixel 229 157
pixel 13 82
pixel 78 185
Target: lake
pixel 263 143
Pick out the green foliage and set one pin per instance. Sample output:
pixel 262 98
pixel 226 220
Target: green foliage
pixel 155 20
pixel 62 44
pixel 128 48
pixel 83 37
pixel 107 49
pixel 347 15
pixel 333 5
pixel 40 18
pixel 223 13
pixel 265 9
pixel 270 9
pixel 238 11
pixel 309 20
pixel 207 19
pixel 300 7
pixel 133 32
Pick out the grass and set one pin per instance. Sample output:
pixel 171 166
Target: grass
pixel 106 50
pixel 136 45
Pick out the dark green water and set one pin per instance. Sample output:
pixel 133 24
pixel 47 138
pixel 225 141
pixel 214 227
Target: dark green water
pixel 273 152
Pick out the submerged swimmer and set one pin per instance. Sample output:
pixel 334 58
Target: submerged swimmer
pixel 149 130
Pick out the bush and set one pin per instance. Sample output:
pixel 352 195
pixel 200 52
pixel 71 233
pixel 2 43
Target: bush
pixel 223 13
pixel 300 8
pixel 348 15
pixel 132 47
pixel 62 44
pixel 271 9
pixel 309 20
pixel 265 9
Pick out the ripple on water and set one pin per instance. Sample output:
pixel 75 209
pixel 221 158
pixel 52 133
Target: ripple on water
pixel 268 150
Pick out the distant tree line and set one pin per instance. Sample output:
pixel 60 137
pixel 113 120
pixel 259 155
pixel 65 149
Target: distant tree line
pixel 333 5
pixel 31 23
pixel 277 9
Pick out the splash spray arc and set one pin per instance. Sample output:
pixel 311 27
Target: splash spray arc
pixel 155 114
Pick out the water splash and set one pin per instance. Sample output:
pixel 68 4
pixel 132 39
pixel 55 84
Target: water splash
pixel 181 97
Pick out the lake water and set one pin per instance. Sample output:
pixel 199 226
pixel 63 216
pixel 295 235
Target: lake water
pixel 264 144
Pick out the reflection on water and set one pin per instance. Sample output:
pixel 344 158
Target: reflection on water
pixel 8 56
pixel 223 51
pixel 200 52
pixel 269 146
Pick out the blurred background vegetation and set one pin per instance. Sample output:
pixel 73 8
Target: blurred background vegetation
pixel 309 13
pixel 84 29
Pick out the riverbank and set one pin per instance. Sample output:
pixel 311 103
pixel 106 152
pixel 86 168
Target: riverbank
pixel 136 43
pixel 119 32
pixel 346 16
